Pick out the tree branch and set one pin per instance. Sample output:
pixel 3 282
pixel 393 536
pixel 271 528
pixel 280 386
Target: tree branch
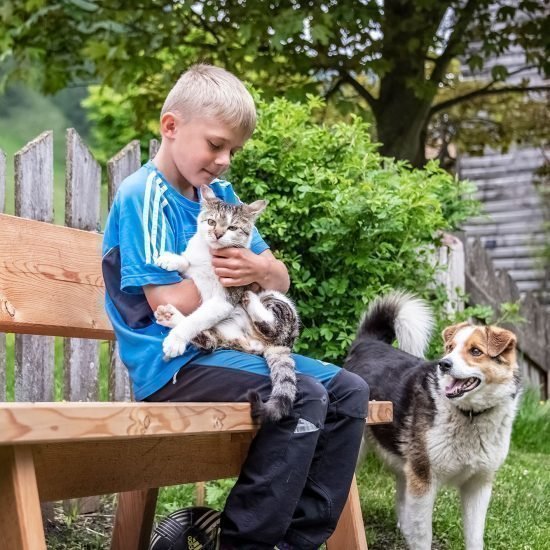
pixel 361 90
pixel 333 89
pixel 457 35
pixel 485 91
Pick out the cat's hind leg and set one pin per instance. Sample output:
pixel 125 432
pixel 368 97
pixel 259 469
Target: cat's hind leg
pixel 168 316
pixel 257 312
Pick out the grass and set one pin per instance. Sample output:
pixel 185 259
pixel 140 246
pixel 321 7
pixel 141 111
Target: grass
pixel 518 514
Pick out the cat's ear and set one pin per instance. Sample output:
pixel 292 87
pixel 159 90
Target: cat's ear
pixel 207 194
pixel 257 207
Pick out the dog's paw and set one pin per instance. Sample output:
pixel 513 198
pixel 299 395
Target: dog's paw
pixel 173 346
pixel 168 316
pixel 172 262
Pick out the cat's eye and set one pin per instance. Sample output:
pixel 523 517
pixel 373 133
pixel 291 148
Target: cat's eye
pixel 476 352
pixel 232 228
pixel 211 222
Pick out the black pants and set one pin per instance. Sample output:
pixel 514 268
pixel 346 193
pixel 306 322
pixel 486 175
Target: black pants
pixel 296 478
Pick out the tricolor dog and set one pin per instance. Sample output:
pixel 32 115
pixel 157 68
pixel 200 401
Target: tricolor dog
pixel 452 417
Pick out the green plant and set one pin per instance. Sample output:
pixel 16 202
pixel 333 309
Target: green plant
pixel 349 223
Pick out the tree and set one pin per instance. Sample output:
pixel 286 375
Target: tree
pixel 395 54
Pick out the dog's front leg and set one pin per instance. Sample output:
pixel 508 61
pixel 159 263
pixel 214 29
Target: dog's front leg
pixel 475 495
pixel 416 517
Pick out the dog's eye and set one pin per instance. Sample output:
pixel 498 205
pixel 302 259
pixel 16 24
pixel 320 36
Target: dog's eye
pixel 476 352
pixel 211 222
pixel 449 348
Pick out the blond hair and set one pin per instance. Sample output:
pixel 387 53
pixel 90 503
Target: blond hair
pixel 205 90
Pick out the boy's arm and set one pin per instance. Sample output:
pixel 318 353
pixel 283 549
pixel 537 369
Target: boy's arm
pixel 184 296
pixel 241 266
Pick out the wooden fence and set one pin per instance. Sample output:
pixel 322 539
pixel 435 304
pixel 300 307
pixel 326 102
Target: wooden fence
pixel 489 286
pixel 34 355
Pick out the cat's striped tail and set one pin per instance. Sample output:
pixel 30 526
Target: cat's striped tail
pixel 282 370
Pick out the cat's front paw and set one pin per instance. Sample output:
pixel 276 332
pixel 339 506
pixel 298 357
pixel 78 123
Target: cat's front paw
pixel 173 345
pixel 168 316
pixel 172 262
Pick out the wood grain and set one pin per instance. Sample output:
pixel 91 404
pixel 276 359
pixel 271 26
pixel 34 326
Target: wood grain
pixel 51 282
pixel 20 516
pixel 60 422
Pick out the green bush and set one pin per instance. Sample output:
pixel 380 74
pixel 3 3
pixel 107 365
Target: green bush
pixel 348 223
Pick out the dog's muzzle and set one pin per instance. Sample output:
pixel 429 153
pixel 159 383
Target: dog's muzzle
pixel 445 365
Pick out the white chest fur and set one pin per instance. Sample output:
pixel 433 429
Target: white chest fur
pixel 459 446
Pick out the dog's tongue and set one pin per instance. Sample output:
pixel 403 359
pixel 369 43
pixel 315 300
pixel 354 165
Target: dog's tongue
pixel 455 386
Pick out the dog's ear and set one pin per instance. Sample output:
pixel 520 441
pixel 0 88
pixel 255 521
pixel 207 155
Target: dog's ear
pixel 449 332
pixel 499 340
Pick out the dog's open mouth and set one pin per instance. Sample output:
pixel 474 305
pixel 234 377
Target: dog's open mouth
pixel 459 386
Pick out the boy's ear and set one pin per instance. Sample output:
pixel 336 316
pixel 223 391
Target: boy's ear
pixel 207 194
pixel 168 125
pixel 257 207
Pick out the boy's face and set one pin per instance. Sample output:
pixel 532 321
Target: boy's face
pixel 202 149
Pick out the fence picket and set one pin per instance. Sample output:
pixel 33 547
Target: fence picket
pixel 81 356
pixel 153 148
pixel 82 206
pixel 124 163
pixel 2 335
pixel 34 355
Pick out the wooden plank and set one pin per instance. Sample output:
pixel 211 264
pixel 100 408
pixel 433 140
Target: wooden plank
pixel 23 423
pixel 20 516
pixel 2 335
pixel 153 148
pixel 34 355
pixel 350 531
pixel 124 163
pixel 51 261
pixel 82 207
pixel 80 468
pixel 134 520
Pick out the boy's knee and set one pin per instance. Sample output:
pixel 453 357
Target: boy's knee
pixel 349 394
pixel 312 400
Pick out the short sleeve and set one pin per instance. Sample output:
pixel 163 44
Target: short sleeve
pixel 145 232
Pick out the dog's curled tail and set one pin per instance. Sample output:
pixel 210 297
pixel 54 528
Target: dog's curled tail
pixel 399 315
pixel 283 386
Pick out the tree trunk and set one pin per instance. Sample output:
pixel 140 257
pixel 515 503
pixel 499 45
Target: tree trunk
pixel 401 127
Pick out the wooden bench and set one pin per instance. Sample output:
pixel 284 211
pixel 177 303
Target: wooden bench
pixel 51 284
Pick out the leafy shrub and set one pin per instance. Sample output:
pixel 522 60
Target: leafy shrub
pixel 348 223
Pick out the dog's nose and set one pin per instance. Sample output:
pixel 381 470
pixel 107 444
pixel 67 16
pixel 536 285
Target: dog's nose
pixel 445 365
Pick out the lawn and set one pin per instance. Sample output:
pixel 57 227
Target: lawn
pixel 518 516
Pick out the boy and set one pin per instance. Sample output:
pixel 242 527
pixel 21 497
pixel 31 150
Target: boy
pixel 296 479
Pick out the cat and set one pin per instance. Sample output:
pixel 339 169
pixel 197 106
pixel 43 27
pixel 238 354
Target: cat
pixel 236 318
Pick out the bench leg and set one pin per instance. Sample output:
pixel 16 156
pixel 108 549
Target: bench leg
pixel 20 516
pixel 350 531
pixel 134 520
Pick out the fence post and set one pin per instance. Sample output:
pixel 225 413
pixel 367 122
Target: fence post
pixel 2 335
pixel 124 163
pixel 34 355
pixel 81 356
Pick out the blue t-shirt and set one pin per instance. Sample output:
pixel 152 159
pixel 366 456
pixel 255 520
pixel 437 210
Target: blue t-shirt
pixel 148 217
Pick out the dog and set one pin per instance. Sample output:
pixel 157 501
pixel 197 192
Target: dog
pixel 452 417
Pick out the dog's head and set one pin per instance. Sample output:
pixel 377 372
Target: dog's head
pixel 479 368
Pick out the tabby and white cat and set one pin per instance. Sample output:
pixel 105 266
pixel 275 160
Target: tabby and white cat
pixel 264 324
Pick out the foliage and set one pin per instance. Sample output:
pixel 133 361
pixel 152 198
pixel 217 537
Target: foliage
pixel 394 55
pixel 532 425
pixel 347 222
pixel 115 122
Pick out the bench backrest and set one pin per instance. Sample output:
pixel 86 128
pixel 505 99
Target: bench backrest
pixel 50 280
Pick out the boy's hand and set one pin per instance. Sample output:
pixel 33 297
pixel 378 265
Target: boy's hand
pixel 240 266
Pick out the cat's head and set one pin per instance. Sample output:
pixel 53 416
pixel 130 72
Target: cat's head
pixel 222 224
